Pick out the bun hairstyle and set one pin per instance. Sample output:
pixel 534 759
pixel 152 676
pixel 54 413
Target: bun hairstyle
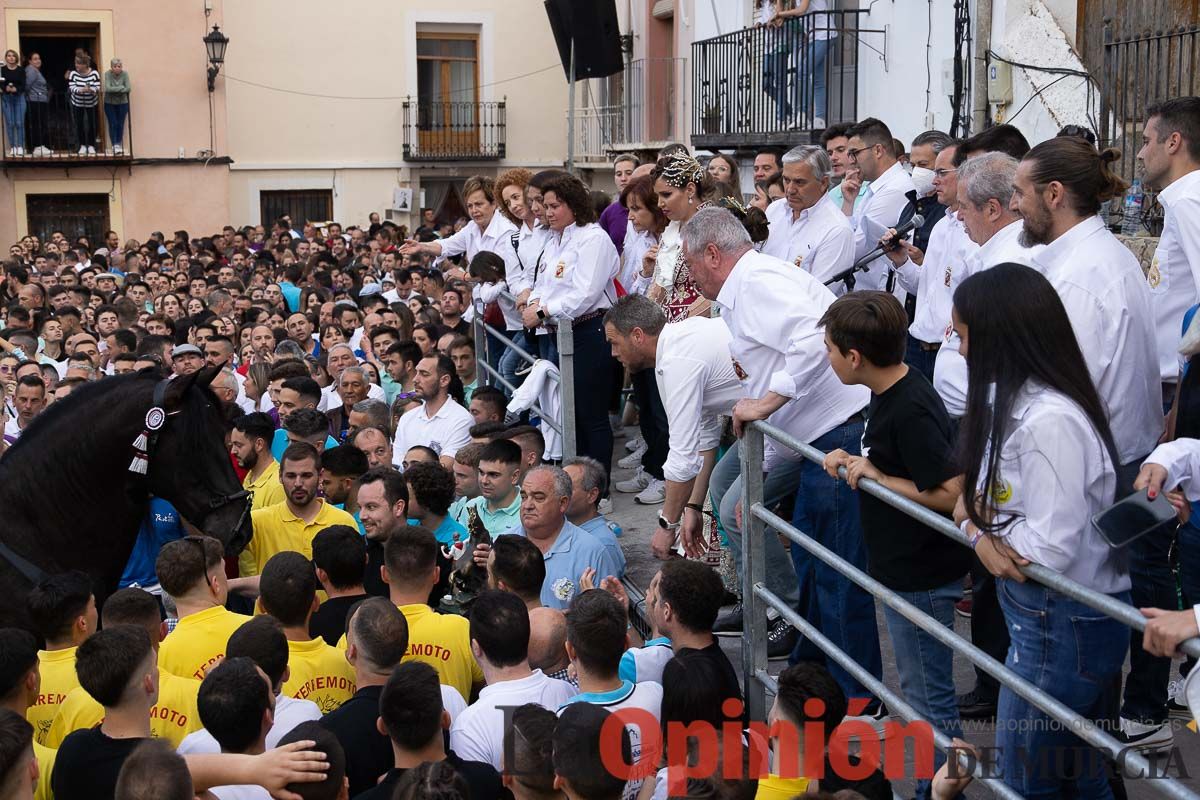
pixel 753 219
pixel 1085 172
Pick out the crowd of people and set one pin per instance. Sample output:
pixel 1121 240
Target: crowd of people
pixel 1011 366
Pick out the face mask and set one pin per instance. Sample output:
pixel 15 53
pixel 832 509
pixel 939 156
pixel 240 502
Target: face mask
pixel 923 180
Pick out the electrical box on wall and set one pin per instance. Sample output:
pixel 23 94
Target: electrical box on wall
pixel 948 77
pixel 1000 89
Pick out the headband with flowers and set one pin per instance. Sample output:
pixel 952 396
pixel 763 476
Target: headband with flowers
pixel 681 170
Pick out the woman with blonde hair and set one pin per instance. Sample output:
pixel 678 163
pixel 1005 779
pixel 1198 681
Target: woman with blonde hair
pixel 12 84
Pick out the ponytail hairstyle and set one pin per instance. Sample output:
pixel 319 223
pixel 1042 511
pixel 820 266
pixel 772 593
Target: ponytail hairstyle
pixel 1018 332
pixel 753 218
pixel 1083 171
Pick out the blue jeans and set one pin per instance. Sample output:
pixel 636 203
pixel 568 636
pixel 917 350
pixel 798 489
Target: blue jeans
pixel 926 666
pixel 116 113
pixel 919 358
pixel 510 362
pixel 14 119
pixel 725 487
pixel 1188 548
pixel 1073 653
pixel 812 74
pixel 827 510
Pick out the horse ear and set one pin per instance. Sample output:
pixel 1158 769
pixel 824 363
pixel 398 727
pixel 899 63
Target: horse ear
pixel 178 386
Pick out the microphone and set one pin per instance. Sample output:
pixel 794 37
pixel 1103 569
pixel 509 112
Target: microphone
pixel 902 230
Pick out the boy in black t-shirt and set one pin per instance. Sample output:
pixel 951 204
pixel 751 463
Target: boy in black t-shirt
pixel 118 667
pixel 906 448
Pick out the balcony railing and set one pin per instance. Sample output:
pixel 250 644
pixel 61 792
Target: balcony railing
pixel 55 132
pixel 454 131
pixel 632 110
pixel 773 85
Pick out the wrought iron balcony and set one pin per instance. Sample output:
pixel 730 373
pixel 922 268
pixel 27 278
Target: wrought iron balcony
pixel 773 85
pixel 632 110
pixel 57 134
pixel 454 131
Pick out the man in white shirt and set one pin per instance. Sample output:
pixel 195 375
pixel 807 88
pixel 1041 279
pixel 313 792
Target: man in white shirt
pixel 500 642
pixel 440 422
pixel 885 200
pixel 1058 190
pixel 1171 156
pixel 773 311
pixel 339 357
pixel 806 229
pixel 929 280
pixel 983 196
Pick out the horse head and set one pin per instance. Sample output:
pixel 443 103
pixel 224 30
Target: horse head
pixel 189 464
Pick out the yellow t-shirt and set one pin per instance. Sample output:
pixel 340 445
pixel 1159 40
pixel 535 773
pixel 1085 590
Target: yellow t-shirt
pixel 774 787
pixel 45 758
pixel 319 673
pixel 267 489
pixel 172 718
pixel 277 529
pixel 198 642
pixel 58 679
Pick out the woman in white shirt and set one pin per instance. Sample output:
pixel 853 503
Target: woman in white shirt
pixel 575 282
pixel 1040 461
pixel 648 222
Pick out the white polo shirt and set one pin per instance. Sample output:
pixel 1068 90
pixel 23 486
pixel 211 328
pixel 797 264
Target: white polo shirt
pixel 289 712
pixel 478 732
pixel 697 384
pixel 445 432
pixel 819 240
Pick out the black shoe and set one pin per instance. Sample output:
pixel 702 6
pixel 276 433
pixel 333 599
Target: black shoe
pixel 977 704
pixel 729 623
pixel 781 639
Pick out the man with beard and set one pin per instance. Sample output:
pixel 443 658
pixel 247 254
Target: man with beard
pixel 441 422
pixel 250 443
pixel 382 505
pixel 292 524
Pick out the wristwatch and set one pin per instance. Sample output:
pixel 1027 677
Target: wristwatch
pixel 670 526
pixel 541 313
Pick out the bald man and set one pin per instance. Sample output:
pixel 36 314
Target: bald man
pixel 548 642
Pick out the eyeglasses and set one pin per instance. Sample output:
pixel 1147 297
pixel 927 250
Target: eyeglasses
pixel 941 173
pixel 853 154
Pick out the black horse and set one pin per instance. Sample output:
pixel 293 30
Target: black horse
pixel 68 499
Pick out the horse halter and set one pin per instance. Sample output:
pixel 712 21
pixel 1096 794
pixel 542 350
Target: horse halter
pixel 143 445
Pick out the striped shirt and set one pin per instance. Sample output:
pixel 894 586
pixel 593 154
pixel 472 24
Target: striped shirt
pixel 84 89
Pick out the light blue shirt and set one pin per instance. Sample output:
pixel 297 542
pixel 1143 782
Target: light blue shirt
pixel 446 531
pixel 622 692
pixel 598 528
pixel 280 442
pixel 835 194
pixel 573 551
pixel 500 521
pixel 291 295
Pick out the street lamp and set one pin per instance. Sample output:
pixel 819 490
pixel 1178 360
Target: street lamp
pixel 215 42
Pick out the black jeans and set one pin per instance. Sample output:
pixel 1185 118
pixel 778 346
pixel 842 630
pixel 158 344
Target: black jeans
pixel 85 125
pixel 593 386
pixel 37 122
pixel 652 419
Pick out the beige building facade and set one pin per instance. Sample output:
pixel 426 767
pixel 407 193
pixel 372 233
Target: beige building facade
pixel 324 112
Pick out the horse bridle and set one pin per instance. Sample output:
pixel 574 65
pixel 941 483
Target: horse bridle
pixel 221 500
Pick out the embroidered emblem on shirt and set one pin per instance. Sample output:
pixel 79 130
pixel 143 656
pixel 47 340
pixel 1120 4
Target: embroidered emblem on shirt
pixel 737 368
pixel 561 269
pixel 1154 274
pixel 564 589
pixel 1002 491
pixel 949 272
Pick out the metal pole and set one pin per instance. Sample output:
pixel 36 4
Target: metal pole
pixel 754 645
pixel 571 117
pixel 979 82
pixel 566 387
pixel 481 345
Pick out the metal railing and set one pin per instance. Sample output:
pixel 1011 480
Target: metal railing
pixel 52 134
pixel 757 598
pixel 485 373
pixel 634 109
pixel 1140 71
pixel 457 131
pixel 760 85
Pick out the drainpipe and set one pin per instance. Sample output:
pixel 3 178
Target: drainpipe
pixel 979 77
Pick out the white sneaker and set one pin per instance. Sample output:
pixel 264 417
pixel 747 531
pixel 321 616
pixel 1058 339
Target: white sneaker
pixel 91 151
pixel 12 151
pixel 606 506
pixel 20 151
pixel 634 459
pixel 878 720
pixel 83 150
pixel 654 493
pixel 117 150
pixel 637 483
pixel 1149 738
pixel 634 443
